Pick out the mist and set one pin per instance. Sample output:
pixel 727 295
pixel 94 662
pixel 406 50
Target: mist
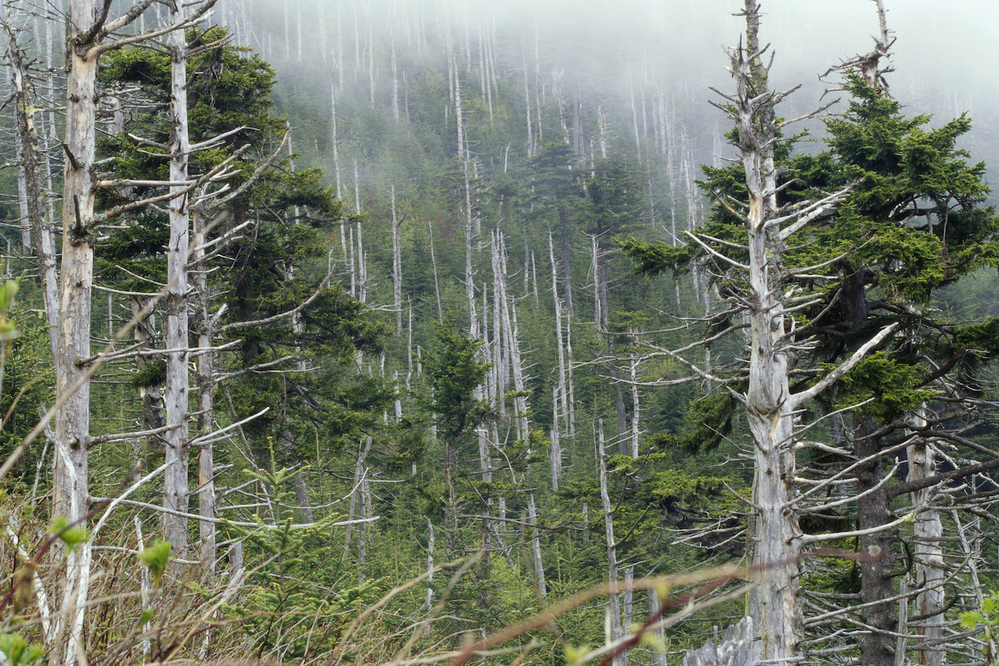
pixel 613 52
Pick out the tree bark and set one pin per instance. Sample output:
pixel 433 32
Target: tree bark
pixel 614 598
pixel 175 482
pixel 539 568
pixel 205 385
pixel 72 435
pixel 30 162
pixel 73 421
pixel 396 266
pixel 877 645
pixel 927 533
pixel 769 412
pixel 635 407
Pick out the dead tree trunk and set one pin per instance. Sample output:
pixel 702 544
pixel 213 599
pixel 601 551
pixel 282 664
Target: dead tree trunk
pixel 205 385
pixel 397 265
pixel 927 532
pixel 614 603
pixel 776 544
pixel 539 568
pixel 175 491
pixel 73 421
pixel 736 648
pixel 86 27
pixel 31 161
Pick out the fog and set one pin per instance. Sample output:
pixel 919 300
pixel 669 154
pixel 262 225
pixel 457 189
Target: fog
pixel 610 48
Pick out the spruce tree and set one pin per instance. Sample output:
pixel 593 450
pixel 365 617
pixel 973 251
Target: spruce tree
pixel 854 278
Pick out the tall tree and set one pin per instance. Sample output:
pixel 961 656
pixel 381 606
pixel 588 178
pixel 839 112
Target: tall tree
pixel 456 374
pixel 753 247
pixel 915 204
pixel 175 394
pixel 88 29
pixel 919 205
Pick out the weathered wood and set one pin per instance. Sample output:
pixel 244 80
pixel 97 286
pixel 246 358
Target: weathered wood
pixel 175 394
pixel 736 648
pixel 776 545
pixel 615 630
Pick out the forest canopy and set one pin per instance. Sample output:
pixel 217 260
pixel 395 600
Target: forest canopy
pixel 415 332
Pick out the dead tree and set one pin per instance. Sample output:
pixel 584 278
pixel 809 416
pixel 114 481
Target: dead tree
pixel 175 490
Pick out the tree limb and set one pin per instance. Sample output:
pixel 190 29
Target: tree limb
pixel 830 379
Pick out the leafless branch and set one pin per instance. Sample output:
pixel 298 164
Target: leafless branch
pixel 830 379
pixel 283 315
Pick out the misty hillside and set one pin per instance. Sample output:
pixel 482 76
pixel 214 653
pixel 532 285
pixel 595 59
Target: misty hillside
pixel 400 331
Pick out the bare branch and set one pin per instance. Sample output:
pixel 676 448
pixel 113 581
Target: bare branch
pixel 134 14
pixel 215 140
pixel 283 315
pixel 835 536
pixel 830 379
pixel 811 212
pixel 715 253
pixel 807 116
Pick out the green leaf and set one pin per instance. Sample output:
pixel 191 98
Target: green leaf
pixel 971 619
pixel 13 647
pixel 71 536
pixel 156 558
pixel 18 652
pixel 573 654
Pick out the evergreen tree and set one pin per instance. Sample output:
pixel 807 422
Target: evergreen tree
pixel 273 255
pixel 456 373
pixel 912 219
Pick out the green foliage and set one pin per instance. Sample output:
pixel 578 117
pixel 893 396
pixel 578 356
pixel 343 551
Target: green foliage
pixel 835 575
pixel 266 272
pixel 152 374
pixel 456 371
pixel 8 329
pixel 296 602
pixel 156 558
pixel 658 258
pixel 71 535
pixel 987 620
pixel 26 379
pixel 708 422
pixel 890 386
pixel 982 337
pixel 329 400
pixel 926 201
pixel 18 652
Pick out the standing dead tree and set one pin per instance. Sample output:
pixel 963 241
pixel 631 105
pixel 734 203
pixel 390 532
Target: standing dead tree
pixel 799 309
pixel 761 292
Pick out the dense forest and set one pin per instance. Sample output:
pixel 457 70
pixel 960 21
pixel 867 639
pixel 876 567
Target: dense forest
pixel 402 331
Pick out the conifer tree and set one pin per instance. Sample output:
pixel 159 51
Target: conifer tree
pixel 291 336
pixel 857 277
pixel 456 372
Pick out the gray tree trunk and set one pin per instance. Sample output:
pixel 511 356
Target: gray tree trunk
pixel 736 648
pixel 205 385
pixel 614 598
pixel 396 266
pixel 30 164
pixel 72 434
pixel 539 568
pixel 175 482
pixel 73 332
pixel 776 546
pixel 927 533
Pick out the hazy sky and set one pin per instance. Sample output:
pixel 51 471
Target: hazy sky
pixel 938 40
pixel 939 43
pixel 945 56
